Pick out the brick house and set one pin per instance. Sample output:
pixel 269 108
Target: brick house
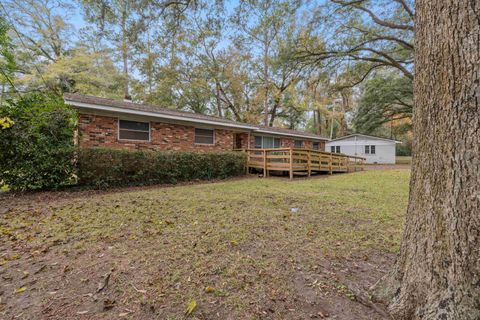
pixel 123 124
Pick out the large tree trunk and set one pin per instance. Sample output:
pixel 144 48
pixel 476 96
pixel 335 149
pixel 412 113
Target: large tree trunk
pixel 438 271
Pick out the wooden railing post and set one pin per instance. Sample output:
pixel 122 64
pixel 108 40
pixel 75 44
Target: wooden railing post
pixel 291 164
pixel 309 159
pixel 330 170
pixel 265 163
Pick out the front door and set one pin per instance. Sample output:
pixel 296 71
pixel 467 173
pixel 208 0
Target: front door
pixel 237 138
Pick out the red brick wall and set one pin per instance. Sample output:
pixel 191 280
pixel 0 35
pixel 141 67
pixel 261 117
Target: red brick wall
pixel 102 131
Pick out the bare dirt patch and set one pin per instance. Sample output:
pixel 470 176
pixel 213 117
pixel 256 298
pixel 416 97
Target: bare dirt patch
pixel 236 248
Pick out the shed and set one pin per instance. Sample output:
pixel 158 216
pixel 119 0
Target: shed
pixel 374 149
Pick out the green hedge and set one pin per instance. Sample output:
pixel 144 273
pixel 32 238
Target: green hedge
pixel 103 168
pixel 36 143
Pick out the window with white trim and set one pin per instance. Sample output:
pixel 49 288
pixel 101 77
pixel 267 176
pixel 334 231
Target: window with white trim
pixel 265 142
pixel 369 149
pixel 133 130
pixel 298 144
pixel 204 136
pixel 335 149
pixel 258 142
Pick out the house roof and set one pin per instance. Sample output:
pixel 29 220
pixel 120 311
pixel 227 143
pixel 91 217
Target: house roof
pixel 104 104
pixel 364 135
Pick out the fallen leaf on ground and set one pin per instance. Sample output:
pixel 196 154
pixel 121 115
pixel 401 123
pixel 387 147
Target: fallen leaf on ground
pixel 209 289
pixel 191 307
pixel 20 290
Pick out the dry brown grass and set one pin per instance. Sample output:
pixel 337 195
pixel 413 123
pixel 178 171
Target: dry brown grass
pixel 234 247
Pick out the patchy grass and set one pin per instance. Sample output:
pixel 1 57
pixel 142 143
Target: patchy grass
pixel 235 248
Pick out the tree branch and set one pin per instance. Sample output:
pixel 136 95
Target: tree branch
pixel 375 18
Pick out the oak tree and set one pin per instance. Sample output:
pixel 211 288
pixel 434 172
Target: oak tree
pixel 437 275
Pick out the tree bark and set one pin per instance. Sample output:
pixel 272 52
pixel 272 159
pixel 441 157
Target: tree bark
pixel 437 275
pixel 218 99
pixel 319 121
pixel 265 77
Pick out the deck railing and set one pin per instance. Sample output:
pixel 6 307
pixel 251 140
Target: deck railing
pixel 301 160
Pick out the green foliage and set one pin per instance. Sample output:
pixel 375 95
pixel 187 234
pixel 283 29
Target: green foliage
pixel 7 60
pixel 85 72
pixel 37 146
pixel 101 168
pixel 384 98
pixel 404 149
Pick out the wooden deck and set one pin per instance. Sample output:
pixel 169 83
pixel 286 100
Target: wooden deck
pixel 305 161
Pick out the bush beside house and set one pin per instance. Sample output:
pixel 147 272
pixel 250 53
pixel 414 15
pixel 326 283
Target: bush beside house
pixel 37 152
pixel 102 168
pixel 36 143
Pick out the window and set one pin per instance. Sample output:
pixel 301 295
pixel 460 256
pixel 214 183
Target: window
pixel 266 142
pixel 332 148
pixel 369 149
pixel 134 130
pixel 204 136
pixel 316 146
pixel 276 142
pixel 298 144
pixel 258 142
pixel 337 149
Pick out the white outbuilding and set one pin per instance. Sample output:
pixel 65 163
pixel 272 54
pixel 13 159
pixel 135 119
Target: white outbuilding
pixel 374 149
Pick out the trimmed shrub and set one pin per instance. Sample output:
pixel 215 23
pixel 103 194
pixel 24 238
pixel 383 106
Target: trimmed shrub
pixel 103 168
pixel 36 143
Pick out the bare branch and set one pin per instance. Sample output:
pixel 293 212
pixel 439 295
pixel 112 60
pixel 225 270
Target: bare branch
pixel 375 18
pixel 407 8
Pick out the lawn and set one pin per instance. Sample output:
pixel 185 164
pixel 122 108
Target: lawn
pixel 240 249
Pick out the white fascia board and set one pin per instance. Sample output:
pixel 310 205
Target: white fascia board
pixel 289 135
pixel 153 114
pixel 366 136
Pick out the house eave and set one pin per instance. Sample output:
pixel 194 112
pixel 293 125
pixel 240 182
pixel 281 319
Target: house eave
pixel 364 135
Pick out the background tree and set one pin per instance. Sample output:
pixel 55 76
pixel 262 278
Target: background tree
pixel 260 25
pixel 385 98
pixel 7 60
pixel 437 273
pixel 368 38
pixel 120 22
